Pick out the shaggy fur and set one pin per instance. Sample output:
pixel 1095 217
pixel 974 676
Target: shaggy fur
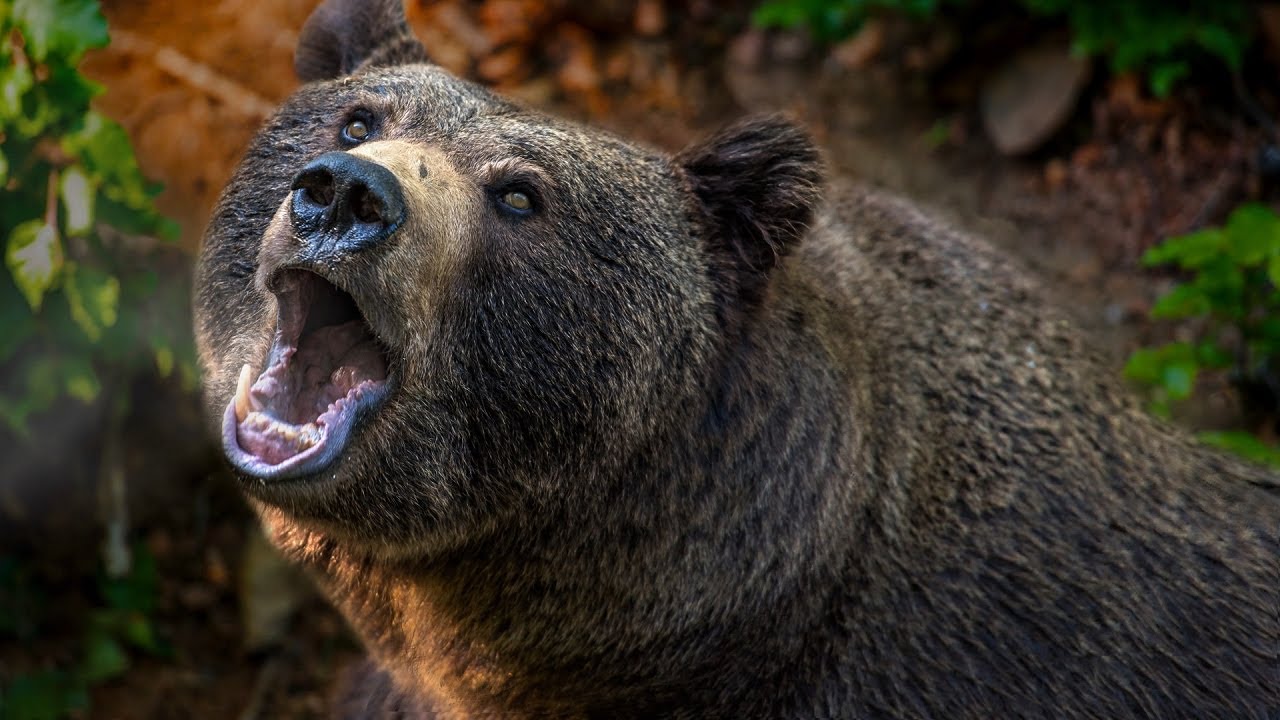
pixel 690 440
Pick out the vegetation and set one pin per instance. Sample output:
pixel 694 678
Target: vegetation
pixel 1234 290
pixel 76 309
pixel 122 621
pixel 1157 37
pixel 80 308
pixel 1232 295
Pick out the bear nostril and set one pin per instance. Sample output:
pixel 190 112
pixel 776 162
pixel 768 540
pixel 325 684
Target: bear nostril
pixel 318 186
pixel 321 194
pixel 366 206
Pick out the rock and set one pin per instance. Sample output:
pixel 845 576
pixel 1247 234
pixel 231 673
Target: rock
pixel 1028 100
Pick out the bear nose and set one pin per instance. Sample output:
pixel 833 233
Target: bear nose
pixel 345 202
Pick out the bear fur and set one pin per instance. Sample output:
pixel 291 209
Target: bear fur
pixel 704 435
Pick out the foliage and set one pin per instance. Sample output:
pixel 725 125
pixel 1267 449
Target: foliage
pixel 1235 288
pixel 74 309
pixel 120 623
pixel 835 19
pixel 1151 35
pixel 1154 35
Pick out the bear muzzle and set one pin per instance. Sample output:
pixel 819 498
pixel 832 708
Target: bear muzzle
pixel 342 204
pixel 325 369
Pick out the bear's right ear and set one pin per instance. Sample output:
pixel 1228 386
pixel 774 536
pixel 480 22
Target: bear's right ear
pixel 759 183
pixel 343 35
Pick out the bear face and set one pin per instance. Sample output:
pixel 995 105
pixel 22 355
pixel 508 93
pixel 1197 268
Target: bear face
pixel 420 295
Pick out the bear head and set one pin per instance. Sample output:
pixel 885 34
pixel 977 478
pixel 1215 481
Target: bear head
pixel 423 309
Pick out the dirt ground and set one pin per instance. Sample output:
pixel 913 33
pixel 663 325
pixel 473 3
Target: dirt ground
pixel 1125 171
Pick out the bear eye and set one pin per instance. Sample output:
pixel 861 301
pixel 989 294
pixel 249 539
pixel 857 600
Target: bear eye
pixel 356 130
pixel 517 200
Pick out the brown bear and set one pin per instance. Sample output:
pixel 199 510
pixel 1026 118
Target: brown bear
pixel 571 427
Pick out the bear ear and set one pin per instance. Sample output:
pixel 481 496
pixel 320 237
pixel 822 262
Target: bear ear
pixel 343 35
pixel 759 183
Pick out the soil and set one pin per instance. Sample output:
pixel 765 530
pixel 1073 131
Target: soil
pixel 898 111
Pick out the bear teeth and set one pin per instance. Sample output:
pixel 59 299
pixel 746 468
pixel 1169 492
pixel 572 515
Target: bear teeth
pixel 242 392
pixel 300 436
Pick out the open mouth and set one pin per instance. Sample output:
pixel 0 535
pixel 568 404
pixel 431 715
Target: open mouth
pixel 324 370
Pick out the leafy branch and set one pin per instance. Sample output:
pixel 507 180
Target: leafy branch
pixel 73 306
pixel 1154 36
pixel 1233 289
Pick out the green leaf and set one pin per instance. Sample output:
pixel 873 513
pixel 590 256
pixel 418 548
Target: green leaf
pixel 79 378
pixel 1171 367
pixel 16 319
pixel 77 200
pixel 1209 355
pixel 62 99
pixel 1273 270
pixel 1146 365
pixel 1189 251
pixel 1179 379
pixel 1182 301
pixel 4 168
pixel 164 358
pixel 93 296
pixel 1219 41
pixel 1253 234
pixel 136 592
pixel 41 387
pixel 138 631
pixel 62 28
pixel 1142 366
pixel 1165 75
pixel 34 258
pixel 104 658
pixel 47 695
pixel 104 150
pixel 15 81
pixel 1243 444
pixel 1268 334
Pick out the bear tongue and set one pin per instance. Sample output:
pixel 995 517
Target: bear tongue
pixel 286 411
pixel 328 363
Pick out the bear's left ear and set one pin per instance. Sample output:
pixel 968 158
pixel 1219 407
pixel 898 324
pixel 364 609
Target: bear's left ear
pixel 759 183
pixel 343 35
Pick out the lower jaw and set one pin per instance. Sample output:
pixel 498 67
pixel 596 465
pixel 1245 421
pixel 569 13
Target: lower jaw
pixel 309 462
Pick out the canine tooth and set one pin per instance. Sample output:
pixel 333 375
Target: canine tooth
pixel 242 392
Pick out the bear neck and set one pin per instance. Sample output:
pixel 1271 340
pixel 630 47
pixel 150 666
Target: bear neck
pixel 636 603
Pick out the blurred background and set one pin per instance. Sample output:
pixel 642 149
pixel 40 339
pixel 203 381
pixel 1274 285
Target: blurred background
pixel 1126 152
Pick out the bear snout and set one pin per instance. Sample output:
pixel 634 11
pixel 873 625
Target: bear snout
pixel 342 203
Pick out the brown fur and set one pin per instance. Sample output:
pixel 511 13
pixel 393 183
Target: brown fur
pixel 691 441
